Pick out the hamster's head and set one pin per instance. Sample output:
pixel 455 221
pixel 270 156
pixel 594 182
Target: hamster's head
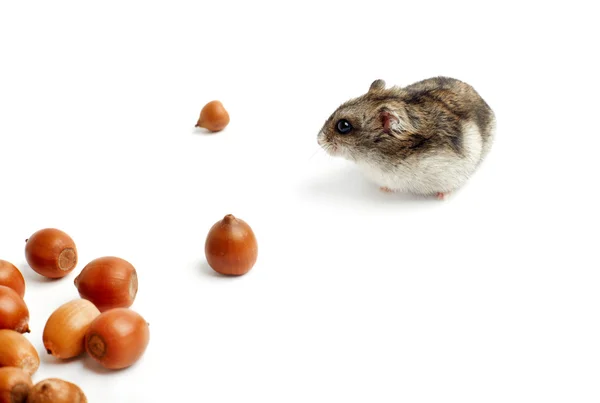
pixel 355 129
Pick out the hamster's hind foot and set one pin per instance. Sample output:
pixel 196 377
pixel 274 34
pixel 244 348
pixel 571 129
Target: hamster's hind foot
pixel 385 189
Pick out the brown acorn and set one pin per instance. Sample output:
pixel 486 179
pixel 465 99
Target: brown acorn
pixel 117 338
pixel 17 351
pixel 213 117
pixel 51 253
pixel 231 246
pixel 14 314
pixel 55 390
pixel 109 282
pixel 11 277
pixel 15 385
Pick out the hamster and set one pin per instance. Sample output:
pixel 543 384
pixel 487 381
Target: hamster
pixel 427 138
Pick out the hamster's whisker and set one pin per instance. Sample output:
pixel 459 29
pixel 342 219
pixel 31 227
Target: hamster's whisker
pixel 315 153
pixel 327 148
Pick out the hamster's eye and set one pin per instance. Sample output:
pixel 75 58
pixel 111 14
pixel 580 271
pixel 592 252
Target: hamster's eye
pixel 343 126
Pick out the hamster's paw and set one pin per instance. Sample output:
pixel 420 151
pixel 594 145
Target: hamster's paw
pixel 385 189
pixel 442 195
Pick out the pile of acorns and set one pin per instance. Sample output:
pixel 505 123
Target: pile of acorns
pixel 100 322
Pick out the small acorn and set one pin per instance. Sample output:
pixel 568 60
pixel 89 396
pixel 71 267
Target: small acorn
pixel 213 117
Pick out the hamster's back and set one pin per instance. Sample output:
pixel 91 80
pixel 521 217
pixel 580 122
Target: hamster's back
pixel 460 99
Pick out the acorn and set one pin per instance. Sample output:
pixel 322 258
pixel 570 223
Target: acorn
pixel 117 338
pixel 65 329
pixel 11 277
pixel 15 385
pixel 231 246
pixel 14 313
pixel 51 253
pixel 109 282
pixel 17 351
pixel 213 117
pixel 54 390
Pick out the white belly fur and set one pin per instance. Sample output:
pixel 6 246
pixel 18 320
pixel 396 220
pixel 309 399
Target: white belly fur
pixel 437 172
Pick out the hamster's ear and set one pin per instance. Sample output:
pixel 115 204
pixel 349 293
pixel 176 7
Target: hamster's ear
pixel 377 85
pixel 388 120
pixel 391 123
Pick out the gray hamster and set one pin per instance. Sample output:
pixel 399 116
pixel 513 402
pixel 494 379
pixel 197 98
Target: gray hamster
pixel 427 138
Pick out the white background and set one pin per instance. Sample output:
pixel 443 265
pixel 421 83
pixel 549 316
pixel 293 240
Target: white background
pixel 491 296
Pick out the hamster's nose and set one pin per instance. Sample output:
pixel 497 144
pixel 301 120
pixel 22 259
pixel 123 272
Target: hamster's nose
pixel 320 138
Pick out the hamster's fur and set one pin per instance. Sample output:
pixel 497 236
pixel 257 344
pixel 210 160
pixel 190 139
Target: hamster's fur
pixel 427 138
